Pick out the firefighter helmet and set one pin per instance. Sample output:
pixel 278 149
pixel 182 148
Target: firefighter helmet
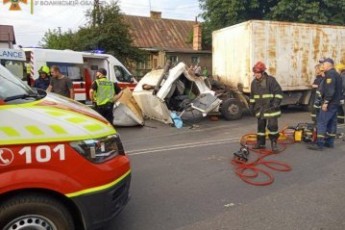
pixel 44 69
pixel 259 67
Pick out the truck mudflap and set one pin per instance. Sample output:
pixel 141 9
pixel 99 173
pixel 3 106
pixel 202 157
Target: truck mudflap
pixel 99 208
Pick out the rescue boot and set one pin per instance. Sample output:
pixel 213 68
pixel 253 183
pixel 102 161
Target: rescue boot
pixel 259 146
pixel 315 147
pixel 260 143
pixel 274 146
pixel 318 146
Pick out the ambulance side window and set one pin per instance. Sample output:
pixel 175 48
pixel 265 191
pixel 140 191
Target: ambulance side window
pixel 122 75
pixel 70 70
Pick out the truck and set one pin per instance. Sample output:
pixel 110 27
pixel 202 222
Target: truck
pixel 62 165
pixel 289 50
pixel 80 67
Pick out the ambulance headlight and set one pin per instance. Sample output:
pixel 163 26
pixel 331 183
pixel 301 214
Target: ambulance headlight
pixel 101 149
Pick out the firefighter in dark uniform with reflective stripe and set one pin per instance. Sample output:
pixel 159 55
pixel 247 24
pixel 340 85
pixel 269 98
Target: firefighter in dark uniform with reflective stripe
pixel 331 94
pixel 265 98
pixel 103 93
pixel 316 93
pixel 341 109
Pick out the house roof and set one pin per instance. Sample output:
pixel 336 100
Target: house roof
pixel 7 34
pixel 161 33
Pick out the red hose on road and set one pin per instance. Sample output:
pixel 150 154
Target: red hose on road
pixel 249 172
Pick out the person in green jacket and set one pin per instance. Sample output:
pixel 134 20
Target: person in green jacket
pixel 103 93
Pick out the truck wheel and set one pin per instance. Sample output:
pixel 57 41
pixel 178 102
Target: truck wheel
pixel 231 109
pixel 34 211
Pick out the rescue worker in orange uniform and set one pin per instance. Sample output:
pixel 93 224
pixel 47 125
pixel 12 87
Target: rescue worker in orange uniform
pixel 265 99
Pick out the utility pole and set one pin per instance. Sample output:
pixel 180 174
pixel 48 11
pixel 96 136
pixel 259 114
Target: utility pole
pixel 95 12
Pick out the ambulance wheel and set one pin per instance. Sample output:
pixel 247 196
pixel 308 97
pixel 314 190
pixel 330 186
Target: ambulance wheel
pixel 231 109
pixel 34 211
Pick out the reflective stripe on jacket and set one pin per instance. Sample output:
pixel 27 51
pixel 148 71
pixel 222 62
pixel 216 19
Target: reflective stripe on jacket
pixel 266 96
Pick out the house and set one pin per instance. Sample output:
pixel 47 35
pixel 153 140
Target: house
pixel 167 39
pixel 7 38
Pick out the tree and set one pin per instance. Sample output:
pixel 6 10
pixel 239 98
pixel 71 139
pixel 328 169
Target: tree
pixel 320 12
pixel 222 13
pixel 53 39
pixel 106 31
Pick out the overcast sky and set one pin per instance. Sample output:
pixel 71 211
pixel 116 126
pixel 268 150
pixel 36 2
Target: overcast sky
pixel 37 16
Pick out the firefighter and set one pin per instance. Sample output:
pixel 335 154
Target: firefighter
pixel 315 92
pixel 265 98
pixel 341 110
pixel 104 93
pixel 331 93
pixel 43 81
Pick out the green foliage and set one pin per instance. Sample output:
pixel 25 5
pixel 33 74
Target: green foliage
pixel 54 40
pixel 106 30
pixel 222 13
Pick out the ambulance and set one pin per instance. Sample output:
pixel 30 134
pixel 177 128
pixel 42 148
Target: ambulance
pixel 14 61
pixel 80 67
pixel 62 165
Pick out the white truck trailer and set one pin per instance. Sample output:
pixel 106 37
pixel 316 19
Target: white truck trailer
pixel 289 50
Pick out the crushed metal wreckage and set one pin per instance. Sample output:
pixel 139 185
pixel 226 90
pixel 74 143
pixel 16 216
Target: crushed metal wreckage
pixel 163 91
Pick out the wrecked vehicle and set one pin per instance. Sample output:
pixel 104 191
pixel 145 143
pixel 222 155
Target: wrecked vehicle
pixel 126 111
pixel 163 91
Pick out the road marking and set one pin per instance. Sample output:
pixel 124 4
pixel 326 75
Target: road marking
pixel 182 146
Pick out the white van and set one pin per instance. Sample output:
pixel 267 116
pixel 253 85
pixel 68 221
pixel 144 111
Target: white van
pixel 80 67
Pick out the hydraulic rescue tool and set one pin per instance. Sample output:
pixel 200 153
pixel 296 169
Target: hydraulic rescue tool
pixel 242 154
pixel 305 132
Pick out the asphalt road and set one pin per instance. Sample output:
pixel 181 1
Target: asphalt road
pixel 182 179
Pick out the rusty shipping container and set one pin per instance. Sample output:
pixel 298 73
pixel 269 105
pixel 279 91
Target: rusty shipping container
pixel 290 51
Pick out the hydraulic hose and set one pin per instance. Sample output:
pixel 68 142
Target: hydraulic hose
pixel 251 171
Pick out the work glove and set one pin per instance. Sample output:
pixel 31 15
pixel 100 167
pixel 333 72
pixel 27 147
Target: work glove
pixel 342 101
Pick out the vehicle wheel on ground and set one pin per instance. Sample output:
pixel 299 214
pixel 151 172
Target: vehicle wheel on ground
pixel 231 109
pixel 34 211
